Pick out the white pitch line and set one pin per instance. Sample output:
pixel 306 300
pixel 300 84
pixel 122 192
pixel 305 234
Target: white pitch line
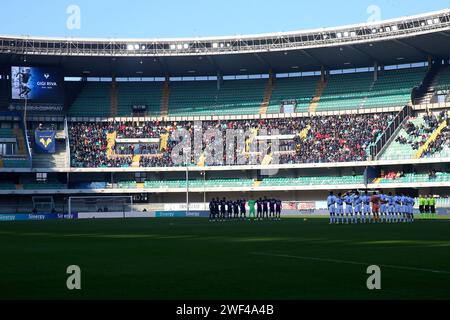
pixel 349 262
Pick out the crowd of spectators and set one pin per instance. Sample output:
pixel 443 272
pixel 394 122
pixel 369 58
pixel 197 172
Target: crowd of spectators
pixel 339 139
pixel 325 139
pixel 417 136
pixel 393 175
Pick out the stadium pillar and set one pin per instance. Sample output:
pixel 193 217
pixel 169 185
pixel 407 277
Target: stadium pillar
pixel 219 80
pixel 430 62
pixel 113 96
pixel 322 74
pixel 375 71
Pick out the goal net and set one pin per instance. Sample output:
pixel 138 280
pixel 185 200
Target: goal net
pixel 106 206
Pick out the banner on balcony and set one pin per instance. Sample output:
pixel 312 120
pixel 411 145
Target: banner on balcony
pixel 45 141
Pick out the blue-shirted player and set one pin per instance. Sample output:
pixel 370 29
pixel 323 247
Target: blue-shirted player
pixel 340 208
pixel 383 207
pixel 331 202
pixel 348 199
pixel 397 207
pixel 391 207
pixel 357 206
pixel 411 203
pixel 365 198
pixel 404 208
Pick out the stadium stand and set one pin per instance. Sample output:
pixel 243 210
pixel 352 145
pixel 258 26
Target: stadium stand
pixel 415 178
pixel 12 132
pixel 442 81
pixel 319 180
pixel 317 139
pixel 300 89
pixel 345 91
pixel 248 96
pixel 414 135
pixel 189 98
pixel 359 90
pixel 147 94
pixel 94 100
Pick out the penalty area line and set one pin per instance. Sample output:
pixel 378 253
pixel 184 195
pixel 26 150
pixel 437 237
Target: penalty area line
pixel 348 262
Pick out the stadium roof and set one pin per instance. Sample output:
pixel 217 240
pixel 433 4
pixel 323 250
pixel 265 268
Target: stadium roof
pixel 396 41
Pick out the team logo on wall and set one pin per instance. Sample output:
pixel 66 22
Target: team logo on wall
pixel 45 141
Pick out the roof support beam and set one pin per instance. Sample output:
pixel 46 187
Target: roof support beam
pixel 362 52
pixel 445 34
pixel 410 46
pixel 214 64
pixel 263 61
pixel 162 63
pixel 311 56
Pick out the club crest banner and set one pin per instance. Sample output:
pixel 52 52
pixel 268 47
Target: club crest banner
pixel 45 141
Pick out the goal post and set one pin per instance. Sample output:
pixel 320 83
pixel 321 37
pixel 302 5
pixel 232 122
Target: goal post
pixel 100 204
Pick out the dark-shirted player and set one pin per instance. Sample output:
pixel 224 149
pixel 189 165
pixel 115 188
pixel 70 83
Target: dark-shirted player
pixel 242 209
pixel 236 209
pixel 217 208
pixel 272 208
pixel 278 205
pixel 229 209
pixel 259 205
pixel 222 205
pixel 265 207
pixel 212 212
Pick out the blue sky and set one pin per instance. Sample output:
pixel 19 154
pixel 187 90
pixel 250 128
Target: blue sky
pixel 191 18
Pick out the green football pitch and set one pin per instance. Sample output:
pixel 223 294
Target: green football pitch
pixel 195 259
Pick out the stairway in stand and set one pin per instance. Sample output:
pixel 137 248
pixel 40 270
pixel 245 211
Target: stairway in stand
pixel 165 99
pixel 319 90
pixel 267 95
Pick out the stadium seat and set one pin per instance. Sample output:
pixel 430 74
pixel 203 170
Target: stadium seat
pixel 189 98
pixel 94 100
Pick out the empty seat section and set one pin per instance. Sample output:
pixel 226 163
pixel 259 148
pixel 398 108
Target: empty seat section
pixel 203 98
pixel 443 80
pixel 394 87
pixel 94 100
pixel 345 91
pixel 302 89
pixel 131 94
pixel 305 181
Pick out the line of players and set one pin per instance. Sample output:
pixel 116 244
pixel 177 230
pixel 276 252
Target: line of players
pixel 221 210
pixel 377 208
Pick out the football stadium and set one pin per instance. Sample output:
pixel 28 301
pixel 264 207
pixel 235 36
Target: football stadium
pixel 286 165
